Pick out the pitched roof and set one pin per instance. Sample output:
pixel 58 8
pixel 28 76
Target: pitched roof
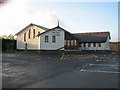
pixel 92 37
pixel 44 28
pixel 60 28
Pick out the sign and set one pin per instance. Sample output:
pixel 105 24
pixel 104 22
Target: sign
pixel 56 32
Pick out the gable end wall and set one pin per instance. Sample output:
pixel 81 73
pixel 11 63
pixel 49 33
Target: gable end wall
pixel 32 43
pixel 50 45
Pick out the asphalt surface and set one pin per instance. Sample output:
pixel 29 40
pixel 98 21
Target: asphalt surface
pixel 60 70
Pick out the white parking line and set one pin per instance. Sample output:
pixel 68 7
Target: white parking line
pixel 100 60
pixel 83 70
pixel 103 65
pixel 62 56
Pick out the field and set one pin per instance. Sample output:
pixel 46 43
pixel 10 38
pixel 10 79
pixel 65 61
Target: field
pixel 90 69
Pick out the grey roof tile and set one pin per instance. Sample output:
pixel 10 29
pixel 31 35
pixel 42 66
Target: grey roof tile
pixel 92 37
pixel 42 27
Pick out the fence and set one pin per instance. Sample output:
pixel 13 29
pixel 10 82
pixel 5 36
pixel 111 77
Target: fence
pixel 8 45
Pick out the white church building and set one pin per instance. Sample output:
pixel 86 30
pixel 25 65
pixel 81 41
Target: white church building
pixel 36 37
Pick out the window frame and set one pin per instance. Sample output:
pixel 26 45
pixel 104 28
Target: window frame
pixel 53 39
pixel 46 39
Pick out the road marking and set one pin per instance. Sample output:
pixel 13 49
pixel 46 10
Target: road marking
pixel 62 56
pixel 6 75
pixel 103 65
pixel 100 60
pixel 83 70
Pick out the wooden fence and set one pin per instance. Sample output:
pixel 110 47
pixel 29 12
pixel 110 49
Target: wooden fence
pixel 8 45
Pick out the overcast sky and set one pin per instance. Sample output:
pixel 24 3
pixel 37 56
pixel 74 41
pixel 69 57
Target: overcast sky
pixel 75 17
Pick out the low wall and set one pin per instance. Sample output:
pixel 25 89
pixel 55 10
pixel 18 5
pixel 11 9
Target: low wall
pixel 115 46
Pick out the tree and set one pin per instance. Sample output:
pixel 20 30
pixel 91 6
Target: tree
pixel 4 36
pixel 10 36
pixel 8 42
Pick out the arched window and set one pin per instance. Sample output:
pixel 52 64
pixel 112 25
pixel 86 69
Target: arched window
pixel 33 33
pixel 29 34
pixel 24 37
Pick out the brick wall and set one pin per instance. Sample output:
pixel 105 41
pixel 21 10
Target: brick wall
pixel 115 46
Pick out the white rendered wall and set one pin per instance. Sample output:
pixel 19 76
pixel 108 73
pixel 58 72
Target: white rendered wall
pixel 51 45
pixel 107 44
pixel 32 43
pixel 104 46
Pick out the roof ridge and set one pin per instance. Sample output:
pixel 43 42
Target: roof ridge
pixel 41 26
pixel 32 24
pixel 92 32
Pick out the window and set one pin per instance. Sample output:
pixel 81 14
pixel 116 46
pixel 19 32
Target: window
pixel 99 44
pixel 79 44
pixel 65 42
pixel 29 34
pixel 84 44
pixel 75 43
pixel 24 37
pixel 33 33
pixel 68 42
pixel 89 44
pixel 72 43
pixel 94 44
pixel 53 39
pixel 46 38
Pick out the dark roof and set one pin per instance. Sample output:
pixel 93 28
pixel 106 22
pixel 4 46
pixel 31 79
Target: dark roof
pixel 60 28
pixel 92 37
pixel 44 28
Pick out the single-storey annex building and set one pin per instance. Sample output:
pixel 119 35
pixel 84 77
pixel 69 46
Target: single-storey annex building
pixel 36 37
